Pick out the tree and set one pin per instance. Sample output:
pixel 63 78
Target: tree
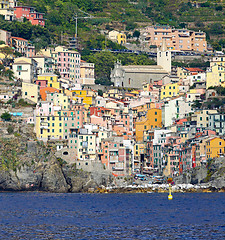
pixel 136 34
pixel 100 92
pixel 6 116
pixel 196 104
pixel 216 28
pixel 7 52
pixel 131 26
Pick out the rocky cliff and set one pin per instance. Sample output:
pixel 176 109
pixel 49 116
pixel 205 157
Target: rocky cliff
pixel 212 175
pixel 28 165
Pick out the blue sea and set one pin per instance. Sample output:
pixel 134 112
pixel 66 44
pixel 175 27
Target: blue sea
pixel 37 215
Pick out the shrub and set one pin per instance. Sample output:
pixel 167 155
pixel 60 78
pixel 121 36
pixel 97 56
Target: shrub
pixel 6 116
pixel 10 129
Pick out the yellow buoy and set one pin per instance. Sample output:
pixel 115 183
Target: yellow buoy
pixel 170 197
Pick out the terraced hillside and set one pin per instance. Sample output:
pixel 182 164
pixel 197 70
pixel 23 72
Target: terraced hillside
pixel 203 15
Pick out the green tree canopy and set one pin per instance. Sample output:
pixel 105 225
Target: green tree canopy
pixel 6 116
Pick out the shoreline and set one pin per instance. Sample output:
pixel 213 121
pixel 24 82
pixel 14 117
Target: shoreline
pixel 180 188
pixel 164 188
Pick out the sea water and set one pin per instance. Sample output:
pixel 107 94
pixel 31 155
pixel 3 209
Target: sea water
pixel 37 215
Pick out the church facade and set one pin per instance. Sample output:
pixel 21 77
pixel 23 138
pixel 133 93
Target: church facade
pixel 134 76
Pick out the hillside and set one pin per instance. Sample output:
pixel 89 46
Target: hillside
pixel 128 15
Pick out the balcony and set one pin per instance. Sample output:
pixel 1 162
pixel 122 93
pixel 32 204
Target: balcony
pixel 113 150
pixel 43 125
pixel 117 168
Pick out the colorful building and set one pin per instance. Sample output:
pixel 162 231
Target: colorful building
pixel 87 73
pixel 176 39
pixel 215 76
pixel 30 92
pixel 7 9
pixel 153 120
pixel 169 90
pixel 215 147
pixel 29 13
pixel 52 80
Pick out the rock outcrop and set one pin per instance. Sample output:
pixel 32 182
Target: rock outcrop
pixel 28 165
pixel 212 175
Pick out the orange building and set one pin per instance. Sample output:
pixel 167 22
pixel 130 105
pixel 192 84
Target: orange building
pixel 153 120
pixel 44 91
pixel 215 147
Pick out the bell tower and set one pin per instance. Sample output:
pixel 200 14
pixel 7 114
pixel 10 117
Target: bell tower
pixel 164 57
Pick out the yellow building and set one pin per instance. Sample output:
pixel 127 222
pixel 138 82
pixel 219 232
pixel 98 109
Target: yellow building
pixel 86 147
pixel 214 147
pixel 182 73
pixel 169 90
pixel 121 38
pixel 118 37
pixel 52 80
pixel 83 96
pixel 218 60
pixel 59 99
pixel 115 93
pixel 7 9
pixel 215 76
pixel 153 120
pixel 183 136
pixel 49 127
pixel 30 92
pixel 139 150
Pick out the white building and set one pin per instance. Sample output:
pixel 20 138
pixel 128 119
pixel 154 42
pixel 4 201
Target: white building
pixel 174 109
pixel 160 136
pixel 44 64
pixel 25 69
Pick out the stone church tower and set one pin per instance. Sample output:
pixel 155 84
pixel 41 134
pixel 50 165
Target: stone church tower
pixel 164 57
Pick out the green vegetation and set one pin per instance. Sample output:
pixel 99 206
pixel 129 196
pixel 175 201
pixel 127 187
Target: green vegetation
pixel 122 14
pixel 6 73
pixel 100 92
pixel 6 116
pixel 38 35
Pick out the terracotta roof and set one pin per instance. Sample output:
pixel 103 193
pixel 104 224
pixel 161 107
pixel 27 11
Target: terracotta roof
pixel 195 70
pixel 44 91
pixel 18 38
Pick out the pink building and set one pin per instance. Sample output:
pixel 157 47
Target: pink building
pixel 30 52
pixel 20 44
pixel 34 17
pixel 42 83
pixel 63 61
pixel 176 39
pixel 99 121
pixel 115 156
